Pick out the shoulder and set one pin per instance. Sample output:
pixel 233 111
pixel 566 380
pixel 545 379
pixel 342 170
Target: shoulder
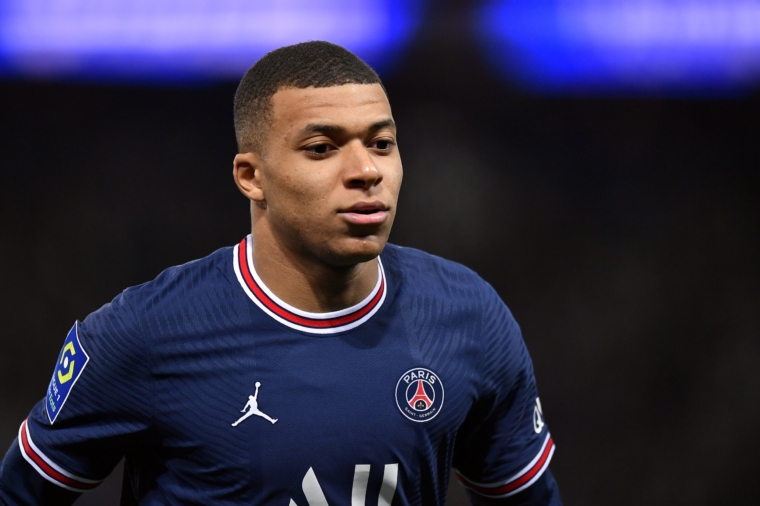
pixel 426 276
pixel 182 281
pixel 421 272
pixel 423 279
pixel 176 285
pixel 417 266
pixel 186 277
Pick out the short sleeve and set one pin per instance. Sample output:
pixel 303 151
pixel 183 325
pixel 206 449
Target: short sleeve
pixel 97 404
pixel 504 445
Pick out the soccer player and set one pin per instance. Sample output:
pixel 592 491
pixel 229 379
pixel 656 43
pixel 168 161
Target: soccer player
pixel 383 367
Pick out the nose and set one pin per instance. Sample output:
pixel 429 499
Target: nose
pixel 360 169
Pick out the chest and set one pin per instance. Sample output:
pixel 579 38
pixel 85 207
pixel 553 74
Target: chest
pixel 283 415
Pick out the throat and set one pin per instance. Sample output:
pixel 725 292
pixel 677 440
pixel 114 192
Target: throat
pixel 317 288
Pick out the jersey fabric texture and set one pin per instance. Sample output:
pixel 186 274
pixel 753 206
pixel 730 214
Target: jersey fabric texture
pixel 217 392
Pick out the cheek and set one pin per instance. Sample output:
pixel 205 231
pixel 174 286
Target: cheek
pixel 393 174
pixel 299 193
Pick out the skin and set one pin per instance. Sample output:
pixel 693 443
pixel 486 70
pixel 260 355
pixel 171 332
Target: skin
pixel 327 151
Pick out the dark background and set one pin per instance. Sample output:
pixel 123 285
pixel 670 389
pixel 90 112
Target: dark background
pixel 622 233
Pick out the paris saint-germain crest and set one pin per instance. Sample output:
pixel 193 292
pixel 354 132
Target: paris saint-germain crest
pixel 419 394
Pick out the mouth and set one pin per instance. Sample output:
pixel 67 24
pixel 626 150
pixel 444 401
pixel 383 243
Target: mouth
pixel 365 213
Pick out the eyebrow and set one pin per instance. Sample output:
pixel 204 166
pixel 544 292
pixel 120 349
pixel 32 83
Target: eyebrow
pixel 313 128
pixel 387 123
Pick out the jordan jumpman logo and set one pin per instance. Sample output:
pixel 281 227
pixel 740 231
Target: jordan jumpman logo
pixel 253 408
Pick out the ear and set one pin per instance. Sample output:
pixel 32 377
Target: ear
pixel 246 169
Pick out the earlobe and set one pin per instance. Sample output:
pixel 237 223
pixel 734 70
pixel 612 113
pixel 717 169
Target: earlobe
pixel 246 169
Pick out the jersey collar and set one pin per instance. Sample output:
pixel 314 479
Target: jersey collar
pixel 313 323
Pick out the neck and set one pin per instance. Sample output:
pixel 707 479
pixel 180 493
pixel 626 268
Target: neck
pixel 306 282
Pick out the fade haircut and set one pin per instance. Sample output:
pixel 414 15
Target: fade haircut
pixel 317 64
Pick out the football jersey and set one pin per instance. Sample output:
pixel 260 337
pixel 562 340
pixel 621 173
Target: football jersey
pixel 217 392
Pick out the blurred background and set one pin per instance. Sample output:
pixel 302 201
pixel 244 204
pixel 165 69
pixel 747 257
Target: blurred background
pixel 595 161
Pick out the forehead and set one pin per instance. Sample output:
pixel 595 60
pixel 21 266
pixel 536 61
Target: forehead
pixel 348 105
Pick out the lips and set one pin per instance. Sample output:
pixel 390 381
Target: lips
pixel 365 213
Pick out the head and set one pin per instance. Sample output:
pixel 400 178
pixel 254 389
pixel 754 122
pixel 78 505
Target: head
pixel 317 154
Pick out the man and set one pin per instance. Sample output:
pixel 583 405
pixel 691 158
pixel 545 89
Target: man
pixel 382 366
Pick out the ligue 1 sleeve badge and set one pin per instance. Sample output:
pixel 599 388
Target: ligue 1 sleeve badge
pixel 419 394
pixel 71 363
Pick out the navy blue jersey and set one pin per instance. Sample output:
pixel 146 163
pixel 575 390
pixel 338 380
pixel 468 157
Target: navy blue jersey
pixel 218 392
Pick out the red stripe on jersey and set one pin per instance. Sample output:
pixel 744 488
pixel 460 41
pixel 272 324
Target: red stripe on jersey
pixel 47 469
pixel 292 317
pixel 516 482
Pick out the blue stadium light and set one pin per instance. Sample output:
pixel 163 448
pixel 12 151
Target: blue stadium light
pixel 672 46
pixel 187 39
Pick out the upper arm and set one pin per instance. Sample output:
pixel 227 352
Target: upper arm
pixel 96 407
pixel 504 446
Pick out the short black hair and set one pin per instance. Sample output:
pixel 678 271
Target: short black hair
pixel 317 63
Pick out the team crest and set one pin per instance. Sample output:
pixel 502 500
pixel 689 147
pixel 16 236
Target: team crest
pixel 71 362
pixel 419 394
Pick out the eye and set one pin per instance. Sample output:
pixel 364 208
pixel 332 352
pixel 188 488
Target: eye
pixel 318 149
pixel 383 144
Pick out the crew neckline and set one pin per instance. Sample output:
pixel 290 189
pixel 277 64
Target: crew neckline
pixel 313 323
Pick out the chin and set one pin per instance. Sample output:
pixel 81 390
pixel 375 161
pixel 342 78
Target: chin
pixel 357 250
